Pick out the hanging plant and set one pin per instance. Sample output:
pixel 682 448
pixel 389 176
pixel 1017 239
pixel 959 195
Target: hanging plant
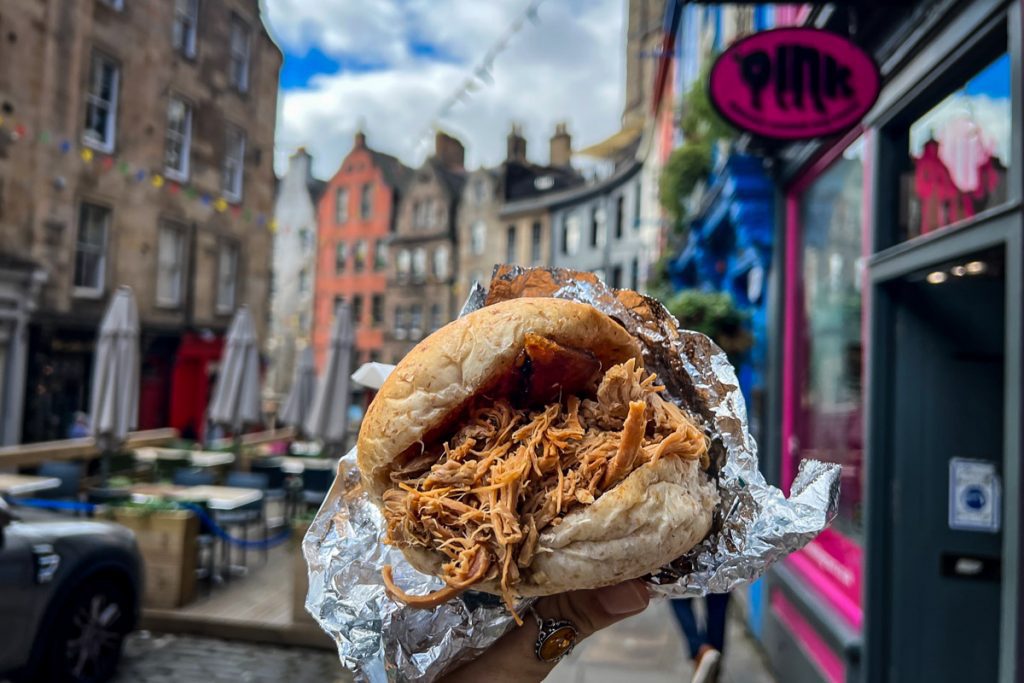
pixel 716 315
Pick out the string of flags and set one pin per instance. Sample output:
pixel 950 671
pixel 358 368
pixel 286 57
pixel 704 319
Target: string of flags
pixel 482 74
pixel 18 131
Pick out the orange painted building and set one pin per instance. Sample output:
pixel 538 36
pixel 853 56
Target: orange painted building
pixel 355 221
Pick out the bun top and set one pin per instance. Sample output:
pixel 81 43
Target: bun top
pixel 438 378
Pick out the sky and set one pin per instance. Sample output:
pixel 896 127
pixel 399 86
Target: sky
pixel 387 66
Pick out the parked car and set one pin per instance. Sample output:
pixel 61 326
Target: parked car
pixel 69 594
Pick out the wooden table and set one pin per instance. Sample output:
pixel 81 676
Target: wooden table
pixel 215 497
pixel 20 484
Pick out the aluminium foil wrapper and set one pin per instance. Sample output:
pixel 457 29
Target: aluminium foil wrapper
pixel 755 526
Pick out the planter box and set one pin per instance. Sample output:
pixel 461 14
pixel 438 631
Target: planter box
pixel 167 541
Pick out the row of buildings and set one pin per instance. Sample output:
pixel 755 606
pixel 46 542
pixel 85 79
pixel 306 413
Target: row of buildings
pixel 136 148
pixel 403 246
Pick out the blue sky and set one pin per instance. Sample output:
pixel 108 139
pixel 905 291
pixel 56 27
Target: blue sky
pixel 391 63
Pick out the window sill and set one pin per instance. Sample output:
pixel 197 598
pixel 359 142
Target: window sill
pixel 102 148
pixel 218 310
pixel 168 305
pixel 231 197
pixel 87 293
pixel 175 175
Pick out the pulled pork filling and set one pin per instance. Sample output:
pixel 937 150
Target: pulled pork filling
pixel 483 497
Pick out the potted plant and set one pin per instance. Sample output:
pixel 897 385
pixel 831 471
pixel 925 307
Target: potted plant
pixel 716 315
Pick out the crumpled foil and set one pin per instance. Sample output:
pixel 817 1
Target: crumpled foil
pixel 755 526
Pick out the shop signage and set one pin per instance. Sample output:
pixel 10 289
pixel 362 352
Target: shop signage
pixel 974 494
pixel 794 84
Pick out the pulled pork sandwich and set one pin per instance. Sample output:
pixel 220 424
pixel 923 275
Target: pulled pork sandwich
pixel 523 450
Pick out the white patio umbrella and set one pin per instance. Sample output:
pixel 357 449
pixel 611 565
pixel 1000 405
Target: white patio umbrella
pixel 300 397
pixel 328 419
pixel 115 377
pixel 236 396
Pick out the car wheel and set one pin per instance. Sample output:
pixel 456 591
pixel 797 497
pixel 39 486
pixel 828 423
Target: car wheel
pixel 88 636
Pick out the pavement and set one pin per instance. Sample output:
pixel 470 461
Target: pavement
pixel 647 648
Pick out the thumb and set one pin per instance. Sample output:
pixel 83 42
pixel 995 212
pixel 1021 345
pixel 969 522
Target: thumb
pixel 512 657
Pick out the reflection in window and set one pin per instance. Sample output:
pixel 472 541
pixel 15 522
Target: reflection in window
pixel 828 363
pixel 959 153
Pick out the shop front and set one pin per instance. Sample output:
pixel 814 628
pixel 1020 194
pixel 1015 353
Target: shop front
pixel 898 321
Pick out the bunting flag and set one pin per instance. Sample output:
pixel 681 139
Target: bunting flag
pixel 482 73
pixel 17 131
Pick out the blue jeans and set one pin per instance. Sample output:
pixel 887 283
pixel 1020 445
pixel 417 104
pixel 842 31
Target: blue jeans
pixel 714 632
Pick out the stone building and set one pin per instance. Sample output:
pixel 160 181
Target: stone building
pixel 499 218
pixel 356 220
pixel 420 294
pixel 144 157
pixel 596 227
pixel 293 271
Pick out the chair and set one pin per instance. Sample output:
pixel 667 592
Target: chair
pixel 193 476
pixel 315 483
pixel 276 484
pixel 246 514
pixel 70 476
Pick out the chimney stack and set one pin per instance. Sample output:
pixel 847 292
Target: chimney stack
pixel 360 139
pixel 561 146
pixel 516 145
pixel 449 151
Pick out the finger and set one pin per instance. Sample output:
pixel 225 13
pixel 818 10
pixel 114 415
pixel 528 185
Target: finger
pixel 512 658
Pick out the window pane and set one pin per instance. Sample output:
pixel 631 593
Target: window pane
pixel 959 153
pixel 90 248
pixel 360 255
pixel 535 245
pixel 829 406
pixel 510 245
pixel 441 263
pixel 341 206
pixel 366 201
pixel 170 257
pixel 380 255
pixel 419 262
pixel 377 309
pixel 478 237
pixel 572 233
pixel 340 257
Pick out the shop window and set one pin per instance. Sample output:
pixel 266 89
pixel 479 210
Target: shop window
pixel 828 405
pixel 958 154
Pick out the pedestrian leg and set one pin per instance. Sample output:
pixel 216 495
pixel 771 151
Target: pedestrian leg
pixel 717 606
pixel 683 609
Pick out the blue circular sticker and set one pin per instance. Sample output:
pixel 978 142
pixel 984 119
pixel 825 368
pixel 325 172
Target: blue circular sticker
pixel 974 497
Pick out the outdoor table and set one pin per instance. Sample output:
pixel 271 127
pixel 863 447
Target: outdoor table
pixel 20 484
pixel 211 458
pixel 214 497
pixel 296 465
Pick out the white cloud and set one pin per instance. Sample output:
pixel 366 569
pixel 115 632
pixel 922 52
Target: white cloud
pixel 567 66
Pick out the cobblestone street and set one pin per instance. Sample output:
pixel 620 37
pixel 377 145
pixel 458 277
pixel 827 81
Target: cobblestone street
pixel 160 658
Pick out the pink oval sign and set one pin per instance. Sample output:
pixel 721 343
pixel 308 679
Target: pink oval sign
pixel 794 83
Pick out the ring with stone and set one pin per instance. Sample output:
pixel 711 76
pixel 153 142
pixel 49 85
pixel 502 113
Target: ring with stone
pixel 555 638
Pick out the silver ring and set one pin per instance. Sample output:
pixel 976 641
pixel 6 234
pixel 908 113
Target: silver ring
pixel 555 638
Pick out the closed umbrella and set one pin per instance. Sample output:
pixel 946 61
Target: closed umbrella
pixel 328 420
pixel 300 397
pixel 236 396
pixel 372 375
pixel 115 377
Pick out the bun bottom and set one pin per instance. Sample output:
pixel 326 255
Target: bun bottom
pixel 655 515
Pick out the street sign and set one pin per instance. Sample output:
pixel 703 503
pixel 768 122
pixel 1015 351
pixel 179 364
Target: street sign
pixel 974 495
pixel 794 83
